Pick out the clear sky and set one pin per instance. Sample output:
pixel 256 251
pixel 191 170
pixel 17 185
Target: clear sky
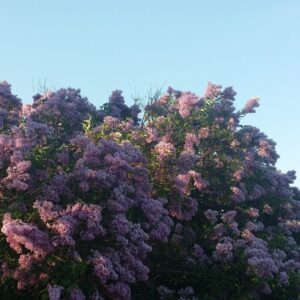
pixel 99 46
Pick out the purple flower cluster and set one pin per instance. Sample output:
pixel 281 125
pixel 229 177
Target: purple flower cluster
pixel 186 102
pixel 19 233
pixel 54 292
pixel 223 250
pixel 164 150
pixel 250 105
pixel 212 91
pixel 63 110
pixel 117 108
pixel 10 107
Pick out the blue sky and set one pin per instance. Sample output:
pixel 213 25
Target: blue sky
pixel 99 46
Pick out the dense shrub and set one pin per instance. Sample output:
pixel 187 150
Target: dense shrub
pixel 185 203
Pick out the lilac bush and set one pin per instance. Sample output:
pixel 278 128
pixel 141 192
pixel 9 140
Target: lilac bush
pixel 185 203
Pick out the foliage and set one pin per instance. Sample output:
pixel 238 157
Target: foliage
pixel 184 204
